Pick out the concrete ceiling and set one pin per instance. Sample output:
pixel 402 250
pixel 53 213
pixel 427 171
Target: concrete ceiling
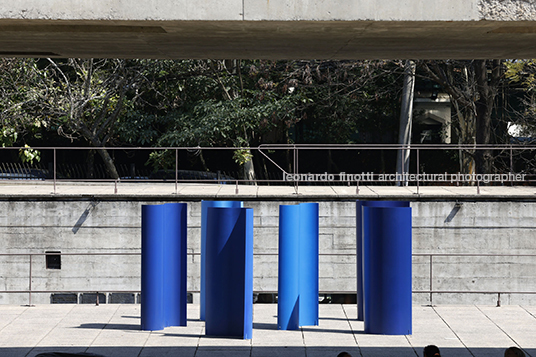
pixel 268 39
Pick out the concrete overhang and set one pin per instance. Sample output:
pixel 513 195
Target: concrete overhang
pixel 269 29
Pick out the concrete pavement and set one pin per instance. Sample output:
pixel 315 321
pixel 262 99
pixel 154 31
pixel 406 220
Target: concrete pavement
pixel 114 331
pixel 150 190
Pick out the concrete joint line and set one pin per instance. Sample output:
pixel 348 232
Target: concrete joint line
pixel 499 327
pixel 455 334
pixel 351 329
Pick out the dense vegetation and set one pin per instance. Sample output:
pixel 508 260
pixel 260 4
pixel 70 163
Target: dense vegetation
pixel 240 103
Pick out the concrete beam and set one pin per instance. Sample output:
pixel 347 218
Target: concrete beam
pixel 269 29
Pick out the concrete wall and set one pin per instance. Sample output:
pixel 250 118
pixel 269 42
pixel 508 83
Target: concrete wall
pixel 79 226
pixel 268 29
pixel 254 10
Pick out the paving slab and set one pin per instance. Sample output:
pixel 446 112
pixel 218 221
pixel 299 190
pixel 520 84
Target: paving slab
pixel 114 331
pixel 189 191
pixel 230 190
pixel 349 191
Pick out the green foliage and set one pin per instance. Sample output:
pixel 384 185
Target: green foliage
pixel 234 103
pixel 29 155
pixel 522 72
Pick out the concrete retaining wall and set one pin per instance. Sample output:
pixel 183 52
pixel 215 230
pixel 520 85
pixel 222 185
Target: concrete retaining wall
pixel 255 10
pixel 81 226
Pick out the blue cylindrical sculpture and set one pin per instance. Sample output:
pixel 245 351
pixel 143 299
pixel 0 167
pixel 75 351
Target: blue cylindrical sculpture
pixel 387 270
pixel 163 260
pixel 229 272
pixel 359 245
pixel 288 291
pixel 152 269
pixel 298 266
pixel 309 264
pixel 175 259
pixel 204 208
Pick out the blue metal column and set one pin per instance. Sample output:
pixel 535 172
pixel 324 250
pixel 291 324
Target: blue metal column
pixel 288 290
pixel 229 272
pixel 152 269
pixel 359 245
pixel 175 259
pixel 163 266
pixel 387 270
pixel 298 266
pixel 308 303
pixel 204 208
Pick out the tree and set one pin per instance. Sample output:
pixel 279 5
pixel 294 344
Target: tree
pixel 78 98
pixel 18 101
pixel 227 103
pixel 89 97
pixel 473 87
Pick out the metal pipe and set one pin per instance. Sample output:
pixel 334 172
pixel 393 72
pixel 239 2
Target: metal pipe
pixel 418 170
pixel 296 148
pixel 176 170
pixel 54 160
pixel 431 279
pixel 30 283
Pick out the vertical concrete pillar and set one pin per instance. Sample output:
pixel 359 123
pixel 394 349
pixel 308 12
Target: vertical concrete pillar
pixel 229 272
pixel 387 270
pixel 204 208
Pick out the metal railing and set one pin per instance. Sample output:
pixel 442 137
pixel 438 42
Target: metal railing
pixel 431 290
pixel 292 165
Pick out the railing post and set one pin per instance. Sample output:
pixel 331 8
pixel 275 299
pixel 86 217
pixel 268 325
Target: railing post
pixel 357 188
pixel 296 183
pixel 30 283
pixel 176 170
pixel 431 279
pixel 511 164
pixel 418 169
pixel 54 160
pixel 498 299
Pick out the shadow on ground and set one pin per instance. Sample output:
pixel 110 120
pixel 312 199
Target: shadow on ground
pixel 255 351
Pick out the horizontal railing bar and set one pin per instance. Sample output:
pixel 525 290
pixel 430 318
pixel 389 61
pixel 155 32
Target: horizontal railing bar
pixel 74 291
pixel 470 255
pixel 470 292
pixel 31 291
pixel 328 254
pixel 283 146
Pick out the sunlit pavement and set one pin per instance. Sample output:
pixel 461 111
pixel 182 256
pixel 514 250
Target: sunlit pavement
pixel 114 330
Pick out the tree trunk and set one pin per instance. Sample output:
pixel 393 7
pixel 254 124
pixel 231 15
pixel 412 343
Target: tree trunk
pixel 466 135
pixel 249 169
pixel 90 164
pixel 404 133
pixel 108 163
pixel 203 162
pixel 484 108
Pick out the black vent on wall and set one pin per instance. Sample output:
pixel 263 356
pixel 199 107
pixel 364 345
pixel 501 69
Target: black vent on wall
pixel 53 260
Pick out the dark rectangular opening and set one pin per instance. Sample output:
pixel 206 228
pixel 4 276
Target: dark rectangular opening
pixel 122 298
pixel 91 298
pixel 53 260
pixel 63 298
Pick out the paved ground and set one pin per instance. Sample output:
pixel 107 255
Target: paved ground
pixel 40 189
pixel 114 331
